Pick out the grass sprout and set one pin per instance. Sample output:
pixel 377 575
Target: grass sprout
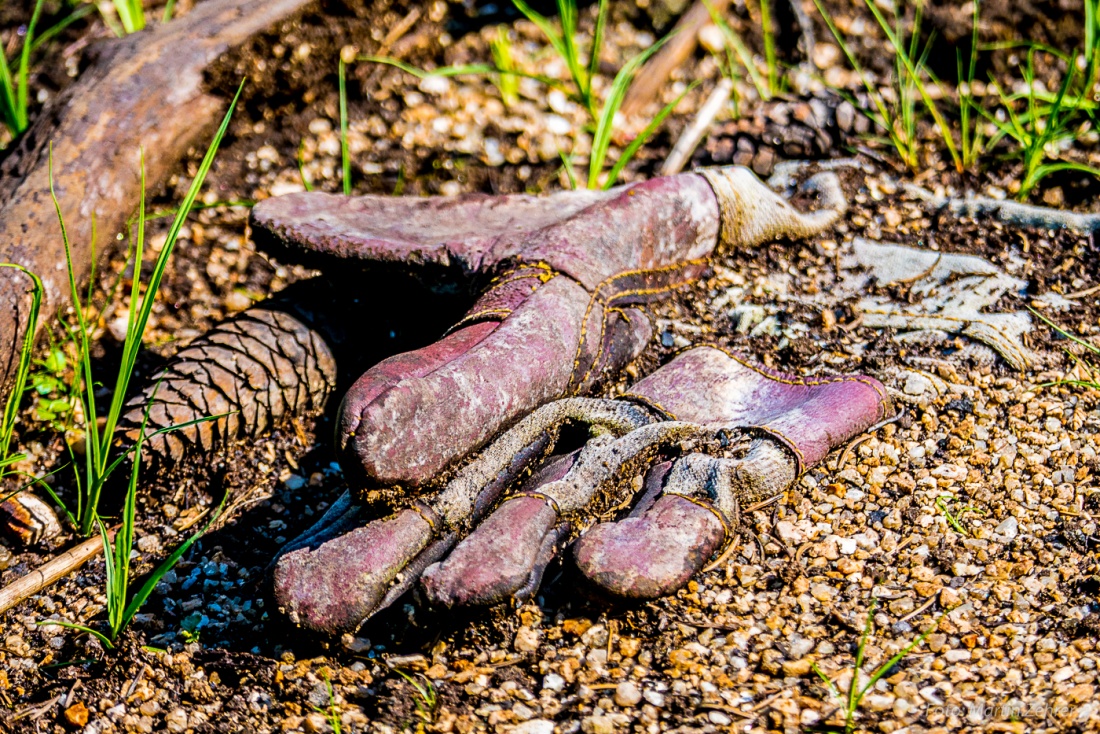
pixel 735 46
pixel 15 88
pixel 426 699
pixel 97 464
pixel 1042 127
pixel 900 116
pixel 1085 364
pixel 954 519
pixel 850 703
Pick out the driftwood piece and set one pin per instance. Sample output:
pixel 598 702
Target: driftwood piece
pixel 144 91
pixel 654 75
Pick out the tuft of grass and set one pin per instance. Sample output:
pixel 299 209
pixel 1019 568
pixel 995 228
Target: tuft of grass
pixel 426 699
pixel 506 81
pixel 1086 364
pixel 15 89
pixel 22 370
pixel 565 44
pixel 117 554
pixel 971 125
pixel 128 16
pixel 899 117
pixel 580 87
pixel 331 714
pixel 954 519
pixel 856 692
pixel 735 46
pixel 1042 127
pixel 97 464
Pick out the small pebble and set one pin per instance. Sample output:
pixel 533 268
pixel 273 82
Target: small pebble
pixel 627 694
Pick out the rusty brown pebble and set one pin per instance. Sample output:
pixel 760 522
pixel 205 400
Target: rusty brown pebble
pixel 77 715
pixel 28 519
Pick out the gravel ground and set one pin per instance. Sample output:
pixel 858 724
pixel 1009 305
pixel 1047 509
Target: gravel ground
pixel 970 517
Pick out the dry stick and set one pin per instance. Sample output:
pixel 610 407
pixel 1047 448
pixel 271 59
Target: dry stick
pixel 395 35
pixel 1009 212
pixel 693 133
pixel 50 572
pixel 654 75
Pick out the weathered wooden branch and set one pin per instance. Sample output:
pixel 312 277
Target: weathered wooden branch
pixel 654 75
pixel 145 91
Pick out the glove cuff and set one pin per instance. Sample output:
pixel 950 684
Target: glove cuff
pixel 751 213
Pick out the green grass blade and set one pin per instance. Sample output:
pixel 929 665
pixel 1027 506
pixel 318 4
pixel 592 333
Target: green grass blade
pixel 567 164
pixel 914 76
pixel 640 140
pixel 25 66
pixel 83 379
pixel 79 628
pixel 111 569
pixel 885 118
pixel 742 51
pixel 345 157
pixel 597 42
pixel 1065 334
pixel 26 353
pixel 885 667
pixel 543 24
pixel 48 35
pixel 137 329
pixel 302 166
pixel 41 484
pixel 169 8
pixel 567 12
pixel 770 59
pixel 601 141
pixel 8 96
pixel 853 699
pixel 147 588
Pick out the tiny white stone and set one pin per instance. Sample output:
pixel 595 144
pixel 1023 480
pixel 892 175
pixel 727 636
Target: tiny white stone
pixel 917 384
pixel 956 656
pixel 1009 528
pixel 535 726
pixel 553 682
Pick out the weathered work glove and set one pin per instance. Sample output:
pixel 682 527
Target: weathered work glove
pixel 571 273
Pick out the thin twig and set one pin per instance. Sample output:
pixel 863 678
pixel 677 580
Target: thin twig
pixel 654 76
pixel 919 610
pixel 50 572
pixel 851 447
pixel 691 136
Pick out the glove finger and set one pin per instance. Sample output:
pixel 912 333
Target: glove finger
pixel 506 553
pixel 397 427
pixel 801 420
pixel 516 537
pixel 414 232
pixel 651 555
pixel 335 585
